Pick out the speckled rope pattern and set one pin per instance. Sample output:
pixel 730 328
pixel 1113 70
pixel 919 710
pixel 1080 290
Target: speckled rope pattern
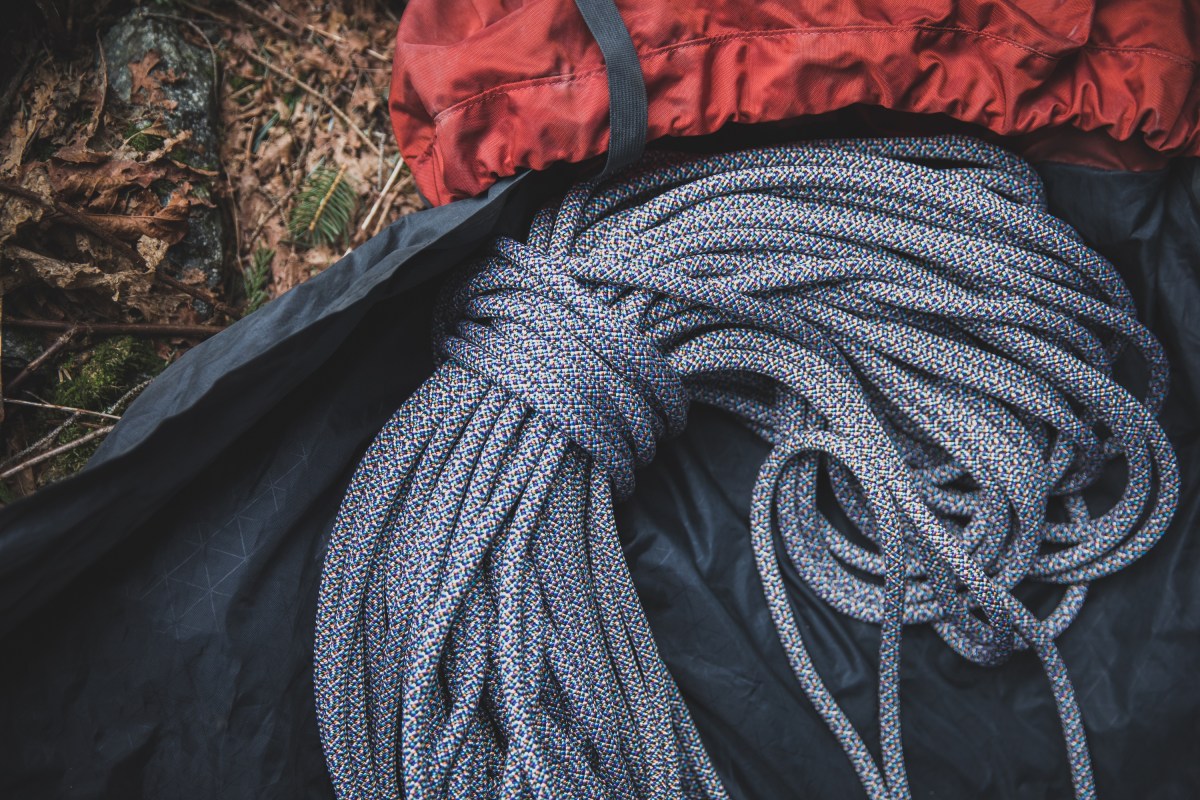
pixel 901 316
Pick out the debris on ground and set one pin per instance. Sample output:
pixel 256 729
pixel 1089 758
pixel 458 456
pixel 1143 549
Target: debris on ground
pixel 164 178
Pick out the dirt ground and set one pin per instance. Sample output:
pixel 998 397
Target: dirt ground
pixel 104 278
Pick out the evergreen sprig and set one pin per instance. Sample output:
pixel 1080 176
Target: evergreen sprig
pixel 325 208
pixel 256 277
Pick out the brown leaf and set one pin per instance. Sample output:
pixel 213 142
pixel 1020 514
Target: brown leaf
pixel 56 272
pixel 16 213
pixel 152 250
pixel 139 74
pixel 100 184
pixel 365 97
pixel 78 152
pixel 276 152
pixel 128 288
pixel 169 223
pixel 147 87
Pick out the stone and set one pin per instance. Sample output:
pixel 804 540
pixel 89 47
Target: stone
pixel 192 107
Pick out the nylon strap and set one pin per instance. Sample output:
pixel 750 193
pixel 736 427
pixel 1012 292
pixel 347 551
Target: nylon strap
pixel 626 85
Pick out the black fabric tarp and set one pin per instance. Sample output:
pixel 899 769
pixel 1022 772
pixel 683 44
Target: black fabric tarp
pixel 158 608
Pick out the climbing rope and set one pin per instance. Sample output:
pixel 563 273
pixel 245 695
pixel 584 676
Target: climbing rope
pixel 902 319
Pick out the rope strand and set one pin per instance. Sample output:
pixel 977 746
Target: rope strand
pixel 901 318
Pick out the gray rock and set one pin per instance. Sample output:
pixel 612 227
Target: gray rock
pixel 20 347
pixel 194 96
pixel 138 33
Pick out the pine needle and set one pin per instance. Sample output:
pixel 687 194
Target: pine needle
pixel 324 209
pixel 256 277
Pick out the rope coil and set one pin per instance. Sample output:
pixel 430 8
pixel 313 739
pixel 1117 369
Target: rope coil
pixel 903 317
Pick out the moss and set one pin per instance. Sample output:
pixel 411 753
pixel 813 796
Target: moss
pixel 72 461
pixel 142 142
pixel 97 377
pixel 94 379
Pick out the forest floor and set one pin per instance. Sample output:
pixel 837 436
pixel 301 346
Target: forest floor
pixel 108 179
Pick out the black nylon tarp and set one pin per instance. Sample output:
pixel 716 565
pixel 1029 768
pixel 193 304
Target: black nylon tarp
pixel 159 607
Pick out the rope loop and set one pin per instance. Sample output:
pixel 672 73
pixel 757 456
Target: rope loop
pixel 526 323
pixel 931 355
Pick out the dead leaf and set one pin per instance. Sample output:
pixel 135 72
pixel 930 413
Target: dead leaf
pixel 275 153
pixel 139 74
pixel 56 272
pixel 365 97
pixel 156 128
pixel 152 250
pixel 146 84
pixel 130 288
pixel 100 184
pixel 78 152
pixel 16 213
pixel 169 223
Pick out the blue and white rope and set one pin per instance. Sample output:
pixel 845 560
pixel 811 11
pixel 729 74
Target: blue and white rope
pixel 903 316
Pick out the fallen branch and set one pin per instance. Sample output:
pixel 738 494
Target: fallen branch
pixel 131 329
pixel 254 12
pixel 387 187
pixel 45 356
pixel 57 451
pixel 53 407
pixel 68 422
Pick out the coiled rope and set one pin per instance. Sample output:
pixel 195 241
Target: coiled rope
pixel 902 316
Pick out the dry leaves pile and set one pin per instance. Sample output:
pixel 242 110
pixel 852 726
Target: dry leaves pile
pixel 305 87
pixel 94 191
pixel 84 209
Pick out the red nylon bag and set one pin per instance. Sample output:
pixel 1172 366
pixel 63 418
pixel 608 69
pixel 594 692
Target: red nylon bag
pixel 485 88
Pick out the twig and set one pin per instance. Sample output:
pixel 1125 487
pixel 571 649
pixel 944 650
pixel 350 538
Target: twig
pixel 276 209
pixel 301 162
pixel 54 434
pixel 221 18
pixel 132 329
pixel 249 87
pixel 202 296
pixel 254 12
pixel 387 187
pixel 389 202
pixel 374 148
pixel 249 113
pixel 53 407
pixel 57 451
pixel 327 34
pixel 45 356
